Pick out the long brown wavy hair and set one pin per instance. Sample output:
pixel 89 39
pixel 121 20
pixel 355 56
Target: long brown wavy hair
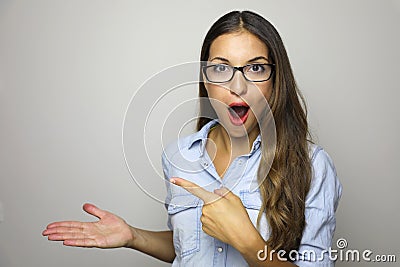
pixel 285 186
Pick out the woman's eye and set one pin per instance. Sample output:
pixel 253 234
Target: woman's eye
pixel 220 68
pixel 256 68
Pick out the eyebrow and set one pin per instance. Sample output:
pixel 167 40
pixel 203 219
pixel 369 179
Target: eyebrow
pixel 258 58
pixel 251 60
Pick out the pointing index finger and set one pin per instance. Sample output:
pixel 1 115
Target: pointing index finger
pixel 195 189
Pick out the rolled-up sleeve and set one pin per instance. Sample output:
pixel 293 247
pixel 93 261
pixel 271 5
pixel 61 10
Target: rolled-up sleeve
pixel 321 204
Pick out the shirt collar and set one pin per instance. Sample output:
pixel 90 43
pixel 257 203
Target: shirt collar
pixel 201 136
pixel 256 144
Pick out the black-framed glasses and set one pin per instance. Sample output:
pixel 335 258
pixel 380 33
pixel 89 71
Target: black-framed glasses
pixel 222 73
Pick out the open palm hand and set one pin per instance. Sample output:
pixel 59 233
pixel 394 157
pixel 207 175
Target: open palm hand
pixel 110 231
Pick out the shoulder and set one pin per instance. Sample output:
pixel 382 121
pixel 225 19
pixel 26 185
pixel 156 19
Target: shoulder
pixel 325 185
pixel 183 145
pixel 181 153
pixel 172 154
pixel 178 146
pixel 319 157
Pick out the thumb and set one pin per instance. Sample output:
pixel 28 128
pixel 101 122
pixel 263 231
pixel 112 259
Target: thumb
pixel 93 210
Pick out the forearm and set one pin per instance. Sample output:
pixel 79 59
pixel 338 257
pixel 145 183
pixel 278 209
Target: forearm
pixel 156 244
pixel 256 253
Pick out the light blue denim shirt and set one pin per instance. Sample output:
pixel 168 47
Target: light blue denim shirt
pixel 188 159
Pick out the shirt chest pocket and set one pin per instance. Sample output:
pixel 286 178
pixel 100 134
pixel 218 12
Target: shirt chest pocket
pixel 184 213
pixel 252 202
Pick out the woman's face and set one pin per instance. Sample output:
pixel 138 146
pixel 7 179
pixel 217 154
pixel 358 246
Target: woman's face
pixel 238 103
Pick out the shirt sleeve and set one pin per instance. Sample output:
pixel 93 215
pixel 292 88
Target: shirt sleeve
pixel 166 171
pixel 321 204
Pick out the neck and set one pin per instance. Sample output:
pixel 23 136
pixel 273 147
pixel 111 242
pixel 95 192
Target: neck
pixel 235 146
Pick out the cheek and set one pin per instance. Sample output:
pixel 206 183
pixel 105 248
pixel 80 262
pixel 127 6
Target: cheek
pixel 216 92
pixel 266 90
pixel 260 99
pixel 260 93
pixel 219 97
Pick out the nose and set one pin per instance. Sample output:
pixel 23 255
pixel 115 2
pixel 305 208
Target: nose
pixel 238 84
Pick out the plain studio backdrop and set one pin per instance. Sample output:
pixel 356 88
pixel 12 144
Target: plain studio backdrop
pixel 68 70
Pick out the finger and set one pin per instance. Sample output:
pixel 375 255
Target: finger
pixel 72 224
pixel 224 192
pixel 93 210
pixel 194 189
pixel 66 236
pixel 60 230
pixel 207 230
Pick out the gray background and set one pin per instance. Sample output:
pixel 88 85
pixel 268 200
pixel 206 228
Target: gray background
pixel 69 68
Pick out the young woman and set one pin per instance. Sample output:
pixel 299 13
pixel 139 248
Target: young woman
pixel 226 205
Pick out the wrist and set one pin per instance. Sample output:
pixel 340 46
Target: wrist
pixel 133 238
pixel 251 243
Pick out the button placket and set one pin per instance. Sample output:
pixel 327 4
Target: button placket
pixel 220 253
pixel 207 164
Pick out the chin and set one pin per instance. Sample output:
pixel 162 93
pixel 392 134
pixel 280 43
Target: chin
pixel 237 131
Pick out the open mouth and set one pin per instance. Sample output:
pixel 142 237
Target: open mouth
pixel 238 113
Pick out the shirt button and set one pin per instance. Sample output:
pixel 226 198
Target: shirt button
pixel 220 249
pixel 240 162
